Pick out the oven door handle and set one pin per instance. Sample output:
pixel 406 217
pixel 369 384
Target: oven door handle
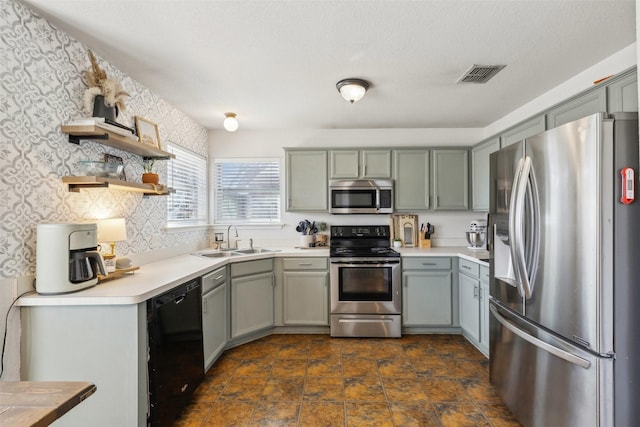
pixel 366 263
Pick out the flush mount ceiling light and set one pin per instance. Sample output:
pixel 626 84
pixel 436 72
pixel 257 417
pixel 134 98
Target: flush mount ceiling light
pixel 230 122
pixel 352 90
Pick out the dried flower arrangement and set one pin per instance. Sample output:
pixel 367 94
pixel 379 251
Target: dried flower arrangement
pixel 100 84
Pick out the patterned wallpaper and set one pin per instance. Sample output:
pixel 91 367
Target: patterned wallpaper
pixel 41 88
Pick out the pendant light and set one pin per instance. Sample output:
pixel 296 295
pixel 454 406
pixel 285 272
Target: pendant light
pixel 352 90
pixel 230 122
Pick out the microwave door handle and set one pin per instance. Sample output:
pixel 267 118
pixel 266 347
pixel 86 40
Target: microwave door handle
pixel 378 199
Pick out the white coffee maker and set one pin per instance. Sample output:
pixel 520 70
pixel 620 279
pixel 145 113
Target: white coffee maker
pixel 67 258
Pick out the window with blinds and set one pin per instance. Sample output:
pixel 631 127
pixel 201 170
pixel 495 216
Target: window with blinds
pixel 187 175
pixel 247 190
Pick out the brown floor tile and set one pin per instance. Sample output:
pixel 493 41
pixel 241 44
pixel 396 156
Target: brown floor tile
pixel 283 389
pixel 368 414
pixel 461 415
pixel 276 414
pixel 405 389
pixel 254 368
pixel 293 351
pixel 480 391
pixel 322 414
pixel 396 368
pixel 323 350
pixel 444 390
pixel 498 414
pixel 224 414
pixel 324 388
pixel 367 389
pixel 289 367
pixel 325 367
pixel 357 367
pixel 244 388
pixel 414 415
pixel 316 380
pixel 194 414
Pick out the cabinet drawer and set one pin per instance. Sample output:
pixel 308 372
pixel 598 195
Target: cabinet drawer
pixel 469 268
pixel 214 279
pixel 484 273
pixel 426 263
pixel 305 263
pixel 251 267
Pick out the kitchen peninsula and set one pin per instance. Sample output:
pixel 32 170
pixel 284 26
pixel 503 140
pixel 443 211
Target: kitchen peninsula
pixel 100 334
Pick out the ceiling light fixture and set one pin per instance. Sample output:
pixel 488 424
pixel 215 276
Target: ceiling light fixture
pixel 352 90
pixel 230 122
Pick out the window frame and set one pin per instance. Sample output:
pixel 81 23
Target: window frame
pixel 203 196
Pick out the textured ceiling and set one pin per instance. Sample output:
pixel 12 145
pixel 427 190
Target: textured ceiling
pixel 276 63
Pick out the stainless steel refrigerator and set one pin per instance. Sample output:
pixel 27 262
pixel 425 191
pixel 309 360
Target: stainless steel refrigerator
pixel 565 275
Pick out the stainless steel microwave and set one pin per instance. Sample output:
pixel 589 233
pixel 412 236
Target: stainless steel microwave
pixel 361 196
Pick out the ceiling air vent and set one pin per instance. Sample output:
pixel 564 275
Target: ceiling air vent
pixel 480 73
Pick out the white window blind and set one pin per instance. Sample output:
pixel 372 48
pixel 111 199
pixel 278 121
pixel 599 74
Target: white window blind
pixel 247 190
pixel 187 174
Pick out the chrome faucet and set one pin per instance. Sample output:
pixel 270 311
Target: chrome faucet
pixel 250 243
pixel 229 237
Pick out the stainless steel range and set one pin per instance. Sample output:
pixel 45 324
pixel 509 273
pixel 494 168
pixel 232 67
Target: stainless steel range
pixel 365 282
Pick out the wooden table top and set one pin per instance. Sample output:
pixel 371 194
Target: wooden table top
pixel 39 403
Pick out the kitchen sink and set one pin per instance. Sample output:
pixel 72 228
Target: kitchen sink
pixel 255 251
pixel 215 254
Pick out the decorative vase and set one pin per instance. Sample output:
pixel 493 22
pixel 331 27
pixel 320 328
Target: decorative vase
pixel 150 178
pixel 101 109
pixel 397 244
pixel 306 240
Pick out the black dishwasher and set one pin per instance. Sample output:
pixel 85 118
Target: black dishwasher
pixel 176 358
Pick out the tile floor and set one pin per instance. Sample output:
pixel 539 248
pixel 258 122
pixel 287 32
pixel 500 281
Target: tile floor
pixel 315 380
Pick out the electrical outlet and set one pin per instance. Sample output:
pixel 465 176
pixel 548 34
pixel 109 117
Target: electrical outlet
pixel 156 241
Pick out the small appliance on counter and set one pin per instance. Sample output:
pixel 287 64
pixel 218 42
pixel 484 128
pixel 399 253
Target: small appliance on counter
pixel 477 234
pixel 67 258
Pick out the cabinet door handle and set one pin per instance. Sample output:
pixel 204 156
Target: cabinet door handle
pixel 204 306
pixel 429 263
pixel 219 277
pixel 304 264
pixel 475 292
pixel 466 267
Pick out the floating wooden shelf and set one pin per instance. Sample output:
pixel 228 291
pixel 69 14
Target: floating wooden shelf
pixel 115 140
pixel 76 183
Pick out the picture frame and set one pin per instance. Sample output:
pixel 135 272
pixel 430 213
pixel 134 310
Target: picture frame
pixel 110 158
pixel 147 131
pixel 405 227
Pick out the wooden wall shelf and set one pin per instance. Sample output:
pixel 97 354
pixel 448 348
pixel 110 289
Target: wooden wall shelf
pixel 76 183
pixel 113 139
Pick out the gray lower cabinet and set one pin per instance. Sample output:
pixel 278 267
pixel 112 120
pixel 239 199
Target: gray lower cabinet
pixel 427 291
pixel 214 314
pixel 305 291
pixel 484 309
pixel 306 181
pixel 411 179
pixel 591 102
pixel 473 294
pixel 480 173
pixel 450 169
pixel 252 286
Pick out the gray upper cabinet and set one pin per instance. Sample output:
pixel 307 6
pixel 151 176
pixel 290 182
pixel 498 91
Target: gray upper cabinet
pixel 622 94
pixel 588 103
pixel 480 173
pixel 411 179
pixel 368 163
pixel 306 181
pixel 523 130
pixel 450 172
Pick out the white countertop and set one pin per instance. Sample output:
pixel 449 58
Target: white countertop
pixel 157 277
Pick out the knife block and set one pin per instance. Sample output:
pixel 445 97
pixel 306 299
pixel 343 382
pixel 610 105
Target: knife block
pixel 425 243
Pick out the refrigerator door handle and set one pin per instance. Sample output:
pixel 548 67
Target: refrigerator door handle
pixel 513 225
pixel 518 229
pixel 569 357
